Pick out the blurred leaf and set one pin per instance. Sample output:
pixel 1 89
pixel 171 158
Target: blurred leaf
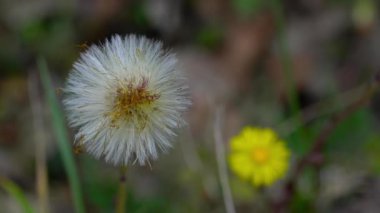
pixel 352 133
pixel 364 13
pixel 101 194
pixel 301 204
pixel 242 190
pixel 306 192
pixel 56 170
pixel 300 147
pixel 139 15
pixel 61 136
pixel 247 7
pixel 17 194
pixel 33 32
pixel 153 204
pixel 210 37
pixel 372 151
pixel 100 188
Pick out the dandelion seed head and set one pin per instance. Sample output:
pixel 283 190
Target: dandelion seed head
pixel 126 98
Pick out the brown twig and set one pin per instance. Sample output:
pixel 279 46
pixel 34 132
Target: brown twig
pixel 42 184
pixel 315 156
pixel 320 109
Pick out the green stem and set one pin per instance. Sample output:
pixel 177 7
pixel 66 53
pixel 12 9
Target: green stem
pixel 122 193
pixel 17 193
pixel 60 131
pixel 286 59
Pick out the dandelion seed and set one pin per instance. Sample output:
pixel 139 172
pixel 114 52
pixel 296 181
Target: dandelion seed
pixel 126 98
pixel 259 156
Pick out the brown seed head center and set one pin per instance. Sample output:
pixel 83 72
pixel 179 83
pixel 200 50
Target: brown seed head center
pixel 132 103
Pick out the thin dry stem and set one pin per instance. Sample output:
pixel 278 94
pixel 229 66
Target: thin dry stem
pixel 221 160
pixel 320 109
pixel 194 162
pixel 40 141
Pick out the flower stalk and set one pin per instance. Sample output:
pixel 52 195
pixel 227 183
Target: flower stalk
pixel 122 191
pixel 222 166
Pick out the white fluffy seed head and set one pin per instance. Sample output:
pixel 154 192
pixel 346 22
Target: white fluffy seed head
pixel 126 99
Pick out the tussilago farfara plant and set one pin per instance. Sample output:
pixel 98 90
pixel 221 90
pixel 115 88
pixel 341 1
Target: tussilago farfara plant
pixel 126 98
pixel 259 156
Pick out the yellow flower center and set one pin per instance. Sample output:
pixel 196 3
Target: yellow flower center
pixel 260 155
pixel 132 103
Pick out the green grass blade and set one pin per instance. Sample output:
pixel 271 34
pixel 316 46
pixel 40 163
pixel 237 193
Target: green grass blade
pixel 62 136
pixel 285 57
pixel 287 66
pixel 17 194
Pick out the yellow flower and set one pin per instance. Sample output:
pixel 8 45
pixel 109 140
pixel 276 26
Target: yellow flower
pixel 259 156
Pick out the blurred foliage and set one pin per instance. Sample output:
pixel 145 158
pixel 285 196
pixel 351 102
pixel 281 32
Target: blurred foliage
pixel 210 37
pixel 352 134
pixel 230 52
pixel 247 8
pixel 364 12
pixel 17 193
pixel 372 149
pixel 61 134
pixel 138 15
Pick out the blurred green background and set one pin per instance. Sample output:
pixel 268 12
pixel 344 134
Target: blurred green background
pixel 262 61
